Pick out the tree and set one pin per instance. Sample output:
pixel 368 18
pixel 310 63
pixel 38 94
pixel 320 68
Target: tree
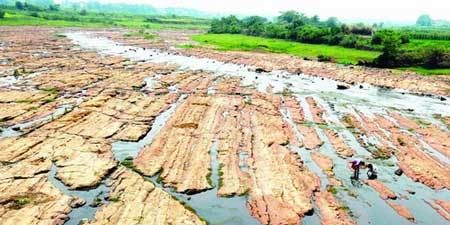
pixel 2 14
pixel 434 57
pixel 391 42
pixel 332 22
pixel 229 24
pixel 276 30
pixel 293 21
pixel 424 20
pixel 20 5
pixel 254 25
pixel 83 12
pixel 53 7
pixel 312 34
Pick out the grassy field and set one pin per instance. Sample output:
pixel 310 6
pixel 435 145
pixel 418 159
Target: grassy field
pixel 96 20
pixel 340 54
pixel 421 44
pixel 249 43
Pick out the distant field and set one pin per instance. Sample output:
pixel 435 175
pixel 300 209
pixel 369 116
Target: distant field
pixel 421 44
pixel 72 19
pixel 249 43
pixel 340 54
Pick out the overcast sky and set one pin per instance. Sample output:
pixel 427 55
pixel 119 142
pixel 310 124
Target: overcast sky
pixel 383 10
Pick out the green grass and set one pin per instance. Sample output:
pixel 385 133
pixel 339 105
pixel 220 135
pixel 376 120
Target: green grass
pixel 415 45
pixel 97 20
pixel 249 43
pixel 342 55
pixel 427 72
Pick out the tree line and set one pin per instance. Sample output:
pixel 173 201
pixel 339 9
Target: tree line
pixel 295 26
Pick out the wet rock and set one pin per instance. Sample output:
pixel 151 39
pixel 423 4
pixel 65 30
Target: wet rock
pixel 316 110
pixel 187 131
pixel 441 207
pixel 96 202
pixel 32 201
pixel 331 212
pixel 77 202
pixel 342 86
pixel 338 143
pixel 401 210
pixel 261 70
pixel 431 133
pixel 140 200
pixel 385 192
pixel 323 162
pixel 280 172
pixel 398 172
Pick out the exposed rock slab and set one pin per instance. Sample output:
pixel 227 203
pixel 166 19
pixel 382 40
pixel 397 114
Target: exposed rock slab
pixel 138 201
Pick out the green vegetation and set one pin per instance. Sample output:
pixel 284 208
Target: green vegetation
pixel 114 198
pixel 142 33
pixel 128 162
pixel 332 189
pixel 430 54
pixel 55 16
pixel 249 43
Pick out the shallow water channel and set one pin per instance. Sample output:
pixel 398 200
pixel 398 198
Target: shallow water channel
pixel 363 202
pixel 86 211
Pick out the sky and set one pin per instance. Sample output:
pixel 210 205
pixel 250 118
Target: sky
pixel 369 10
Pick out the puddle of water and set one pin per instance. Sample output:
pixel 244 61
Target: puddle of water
pixel 17 130
pixel 124 149
pixel 216 210
pixel 8 81
pixel 85 212
pixel 243 166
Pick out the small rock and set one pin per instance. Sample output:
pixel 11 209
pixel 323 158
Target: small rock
pixel 342 86
pixel 442 98
pixel 77 202
pixel 411 192
pixel 398 172
pixel 96 202
pixel 360 86
pixel 261 70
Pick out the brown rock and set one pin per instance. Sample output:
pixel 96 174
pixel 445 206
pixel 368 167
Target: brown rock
pixel 385 192
pixel 138 200
pixel 401 210
pixel 331 211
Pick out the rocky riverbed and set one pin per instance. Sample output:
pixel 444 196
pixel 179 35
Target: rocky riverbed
pixel 100 128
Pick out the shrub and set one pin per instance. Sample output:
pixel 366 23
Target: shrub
pixel 34 14
pixel 312 34
pixel 2 14
pixel 324 58
pixel 434 57
pixel 276 30
pixel 83 12
pixel 348 41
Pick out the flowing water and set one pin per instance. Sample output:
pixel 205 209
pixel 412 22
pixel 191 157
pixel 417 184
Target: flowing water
pixel 364 203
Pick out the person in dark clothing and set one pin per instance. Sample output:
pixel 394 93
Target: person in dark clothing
pixel 371 172
pixel 356 165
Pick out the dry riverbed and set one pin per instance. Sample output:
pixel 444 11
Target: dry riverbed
pixel 101 128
